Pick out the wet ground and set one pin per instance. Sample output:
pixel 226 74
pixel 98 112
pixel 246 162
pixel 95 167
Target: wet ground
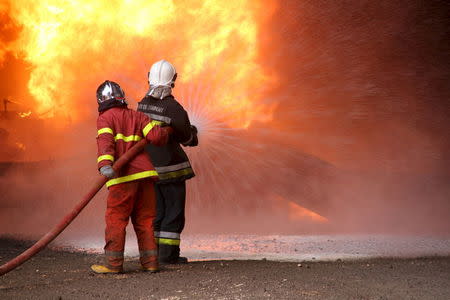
pixel 289 247
pixel 65 275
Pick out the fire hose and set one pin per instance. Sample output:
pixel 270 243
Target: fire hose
pixel 51 235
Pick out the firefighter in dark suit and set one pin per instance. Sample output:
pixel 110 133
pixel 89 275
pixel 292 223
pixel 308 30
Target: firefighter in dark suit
pixel 170 161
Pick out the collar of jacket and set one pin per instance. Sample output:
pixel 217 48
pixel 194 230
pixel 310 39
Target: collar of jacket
pixel 156 99
pixel 110 104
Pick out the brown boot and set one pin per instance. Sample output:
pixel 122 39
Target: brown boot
pixel 151 265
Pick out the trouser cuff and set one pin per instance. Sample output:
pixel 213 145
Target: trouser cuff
pixel 114 259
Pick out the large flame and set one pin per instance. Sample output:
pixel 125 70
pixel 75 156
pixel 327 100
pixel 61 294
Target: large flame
pixel 74 45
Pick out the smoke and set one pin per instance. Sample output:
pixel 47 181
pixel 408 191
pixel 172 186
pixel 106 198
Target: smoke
pixel 365 87
pixel 359 132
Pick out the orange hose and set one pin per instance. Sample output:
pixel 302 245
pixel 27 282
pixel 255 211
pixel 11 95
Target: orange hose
pixel 51 235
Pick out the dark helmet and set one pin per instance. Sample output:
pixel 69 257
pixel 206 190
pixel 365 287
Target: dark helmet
pixel 109 90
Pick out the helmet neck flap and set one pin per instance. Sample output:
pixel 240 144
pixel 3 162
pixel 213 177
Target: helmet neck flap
pixel 159 92
pixel 110 104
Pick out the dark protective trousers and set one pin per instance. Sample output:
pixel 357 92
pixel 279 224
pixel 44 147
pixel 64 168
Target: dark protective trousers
pixel 135 199
pixel 170 219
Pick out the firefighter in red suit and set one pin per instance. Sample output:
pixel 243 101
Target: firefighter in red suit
pixel 131 191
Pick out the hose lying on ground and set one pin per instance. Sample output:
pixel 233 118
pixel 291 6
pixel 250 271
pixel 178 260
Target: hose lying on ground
pixel 51 235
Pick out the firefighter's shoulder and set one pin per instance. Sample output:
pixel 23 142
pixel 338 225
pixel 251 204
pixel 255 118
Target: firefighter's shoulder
pixel 175 105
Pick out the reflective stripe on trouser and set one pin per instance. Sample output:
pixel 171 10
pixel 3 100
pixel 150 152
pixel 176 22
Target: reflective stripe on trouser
pixel 170 219
pixel 167 238
pixel 149 258
pixel 135 199
pixel 114 259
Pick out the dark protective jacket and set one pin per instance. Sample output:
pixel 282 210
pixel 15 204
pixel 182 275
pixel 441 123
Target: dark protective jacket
pixel 119 128
pixel 170 160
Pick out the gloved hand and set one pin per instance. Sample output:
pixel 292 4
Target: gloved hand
pixel 107 171
pixel 193 141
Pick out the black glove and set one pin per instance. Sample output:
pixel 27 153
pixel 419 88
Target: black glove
pixel 194 129
pixel 194 141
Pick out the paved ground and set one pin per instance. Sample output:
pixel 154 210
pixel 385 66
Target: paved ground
pixel 65 275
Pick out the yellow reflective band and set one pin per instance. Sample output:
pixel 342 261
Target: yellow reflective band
pixel 105 130
pixel 169 242
pixel 130 138
pixel 149 126
pixel 131 177
pixel 175 174
pixel 105 157
pixel 145 253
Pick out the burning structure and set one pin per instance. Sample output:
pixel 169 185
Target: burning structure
pixel 312 115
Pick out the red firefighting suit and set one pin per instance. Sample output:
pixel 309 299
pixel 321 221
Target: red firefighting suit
pixel 131 193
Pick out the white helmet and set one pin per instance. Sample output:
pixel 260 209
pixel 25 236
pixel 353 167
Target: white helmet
pixel 162 73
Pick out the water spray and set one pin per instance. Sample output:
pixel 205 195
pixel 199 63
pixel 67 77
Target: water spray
pixel 51 235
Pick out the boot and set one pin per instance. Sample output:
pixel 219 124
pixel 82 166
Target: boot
pixel 174 261
pixel 100 269
pixel 151 269
pixel 150 264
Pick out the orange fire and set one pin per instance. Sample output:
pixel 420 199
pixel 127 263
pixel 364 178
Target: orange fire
pixel 20 146
pixel 297 212
pixel 74 45
pixel 24 114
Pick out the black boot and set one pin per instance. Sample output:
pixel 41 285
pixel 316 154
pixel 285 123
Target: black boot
pixel 170 254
